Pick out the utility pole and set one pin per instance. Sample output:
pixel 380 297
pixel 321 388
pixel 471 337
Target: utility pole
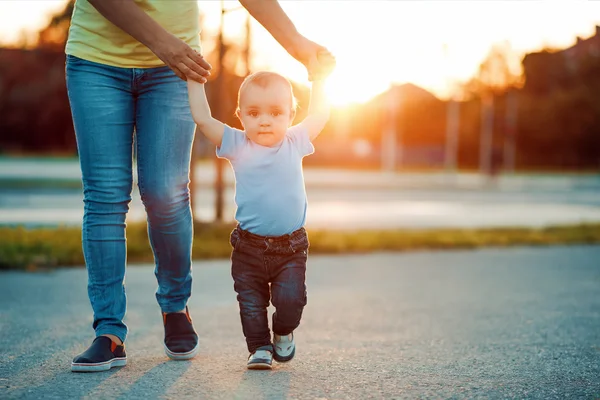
pixel 192 184
pixel 194 162
pixel 487 132
pixel 452 122
pixel 452 125
pixel 220 99
pixel 511 131
pixel 248 44
pixel 389 146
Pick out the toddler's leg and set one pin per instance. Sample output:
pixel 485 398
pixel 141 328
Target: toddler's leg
pixel 251 284
pixel 288 293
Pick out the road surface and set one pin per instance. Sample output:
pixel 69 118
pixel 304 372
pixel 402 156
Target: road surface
pixel 341 199
pixel 494 323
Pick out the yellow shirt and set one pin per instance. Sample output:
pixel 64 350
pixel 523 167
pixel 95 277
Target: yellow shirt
pixel 94 38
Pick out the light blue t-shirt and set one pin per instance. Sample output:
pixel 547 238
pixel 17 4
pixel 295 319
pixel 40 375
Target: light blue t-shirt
pixel 269 184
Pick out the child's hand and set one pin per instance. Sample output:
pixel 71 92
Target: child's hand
pixel 325 67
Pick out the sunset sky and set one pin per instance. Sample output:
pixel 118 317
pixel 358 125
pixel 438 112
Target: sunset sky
pixel 378 43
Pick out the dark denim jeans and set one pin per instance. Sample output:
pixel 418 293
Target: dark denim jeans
pixel 256 262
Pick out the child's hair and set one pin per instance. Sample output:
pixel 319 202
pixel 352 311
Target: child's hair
pixel 263 79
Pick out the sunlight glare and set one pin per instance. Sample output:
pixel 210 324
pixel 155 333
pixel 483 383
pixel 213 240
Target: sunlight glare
pixel 436 45
pixel 345 87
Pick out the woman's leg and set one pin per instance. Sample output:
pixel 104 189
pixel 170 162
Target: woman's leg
pixel 103 111
pixel 164 135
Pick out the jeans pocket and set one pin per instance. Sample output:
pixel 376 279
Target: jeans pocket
pixel 300 244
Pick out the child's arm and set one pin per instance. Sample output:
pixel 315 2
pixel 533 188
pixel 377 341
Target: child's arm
pixel 210 127
pixel 318 110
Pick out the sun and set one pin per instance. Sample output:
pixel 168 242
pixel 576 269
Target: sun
pixel 344 87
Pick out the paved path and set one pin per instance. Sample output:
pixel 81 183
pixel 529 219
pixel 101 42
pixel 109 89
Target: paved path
pixel 342 199
pixel 517 323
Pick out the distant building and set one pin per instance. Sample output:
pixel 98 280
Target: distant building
pixel 584 47
pixel 548 69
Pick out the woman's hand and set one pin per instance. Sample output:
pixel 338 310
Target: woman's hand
pixel 319 61
pixel 186 62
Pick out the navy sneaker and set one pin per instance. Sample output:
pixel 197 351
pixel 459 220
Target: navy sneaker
pixel 102 355
pixel 284 347
pixel 260 359
pixel 181 340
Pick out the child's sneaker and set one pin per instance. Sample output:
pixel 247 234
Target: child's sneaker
pixel 181 340
pixel 260 359
pixel 102 355
pixel 284 347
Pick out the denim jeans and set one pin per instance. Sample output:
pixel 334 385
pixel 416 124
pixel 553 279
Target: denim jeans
pixel 109 106
pixel 258 262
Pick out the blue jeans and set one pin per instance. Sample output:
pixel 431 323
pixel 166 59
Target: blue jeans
pixel 109 106
pixel 256 262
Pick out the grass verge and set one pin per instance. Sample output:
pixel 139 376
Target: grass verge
pixel 41 248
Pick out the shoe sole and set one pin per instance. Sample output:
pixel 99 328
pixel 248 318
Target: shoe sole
pixel 98 367
pixel 282 359
pixel 259 366
pixel 182 356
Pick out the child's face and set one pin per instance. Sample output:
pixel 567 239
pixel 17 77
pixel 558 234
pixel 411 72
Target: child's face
pixel 266 113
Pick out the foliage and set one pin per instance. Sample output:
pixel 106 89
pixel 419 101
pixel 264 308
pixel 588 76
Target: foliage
pixel 557 125
pixel 32 249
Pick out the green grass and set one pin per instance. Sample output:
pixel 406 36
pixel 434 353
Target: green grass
pixel 41 248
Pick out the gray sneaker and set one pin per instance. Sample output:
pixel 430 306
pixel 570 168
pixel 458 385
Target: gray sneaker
pixel 284 347
pixel 260 359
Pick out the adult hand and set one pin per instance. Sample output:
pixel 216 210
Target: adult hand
pixel 319 62
pixel 186 62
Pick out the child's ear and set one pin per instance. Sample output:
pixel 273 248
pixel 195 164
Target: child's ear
pixel 292 115
pixel 238 114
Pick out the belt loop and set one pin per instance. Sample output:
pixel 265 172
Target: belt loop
pixel 290 242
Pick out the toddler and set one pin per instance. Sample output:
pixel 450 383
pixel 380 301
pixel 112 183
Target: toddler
pixel 270 244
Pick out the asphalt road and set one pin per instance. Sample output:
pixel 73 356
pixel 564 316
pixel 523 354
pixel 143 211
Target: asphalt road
pixel 338 199
pixel 495 323
pixel 336 207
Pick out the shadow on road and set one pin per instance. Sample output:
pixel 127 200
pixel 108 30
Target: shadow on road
pixel 157 380
pixel 274 384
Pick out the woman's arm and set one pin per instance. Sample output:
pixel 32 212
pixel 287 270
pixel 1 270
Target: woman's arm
pixel 271 16
pixel 174 52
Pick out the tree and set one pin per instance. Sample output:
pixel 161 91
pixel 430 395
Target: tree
pixel 499 71
pixel 54 35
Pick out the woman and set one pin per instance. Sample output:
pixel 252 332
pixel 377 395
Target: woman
pixel 127 61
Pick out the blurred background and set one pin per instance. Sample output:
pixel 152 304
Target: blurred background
pixel 446 114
